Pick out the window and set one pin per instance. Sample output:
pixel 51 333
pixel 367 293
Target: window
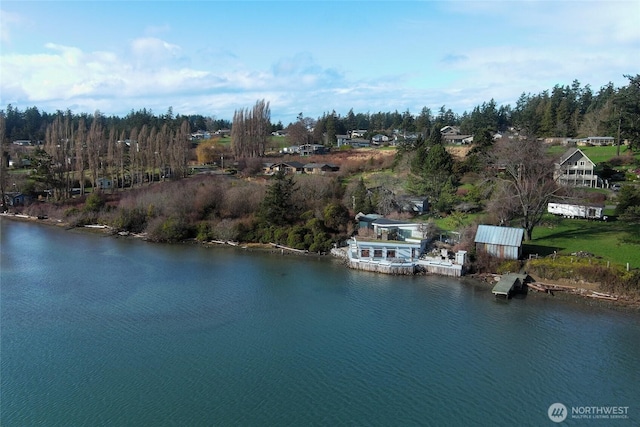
pixel 582 163
pixel 391 253
pixel 364 253
pixel 377 253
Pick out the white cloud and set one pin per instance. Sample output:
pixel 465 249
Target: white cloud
pixel 530 46
pixel 10 21
pixel 152 51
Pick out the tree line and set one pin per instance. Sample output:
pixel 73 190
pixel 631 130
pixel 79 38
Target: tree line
pixel 80 153
pixel 31 123
pixel 563 111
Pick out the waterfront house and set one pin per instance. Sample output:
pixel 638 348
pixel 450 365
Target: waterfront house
pixel 390 257
pixel 501 242
pixel 398 247
pixel 17 199
pixel 575 169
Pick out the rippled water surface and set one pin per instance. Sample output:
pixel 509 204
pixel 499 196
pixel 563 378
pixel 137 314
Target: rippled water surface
pixel 97 330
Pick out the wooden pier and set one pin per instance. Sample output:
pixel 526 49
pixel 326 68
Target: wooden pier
pixel 508 284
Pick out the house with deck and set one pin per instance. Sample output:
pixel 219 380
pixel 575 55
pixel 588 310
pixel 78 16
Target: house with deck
pixel 575 169
pixel 399 247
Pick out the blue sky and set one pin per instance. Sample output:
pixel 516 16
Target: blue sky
pixel 214 57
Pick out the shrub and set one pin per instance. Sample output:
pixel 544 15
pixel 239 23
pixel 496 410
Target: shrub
pixel 171 229
pixel 133 220
pixel 95 201
pixel 203 231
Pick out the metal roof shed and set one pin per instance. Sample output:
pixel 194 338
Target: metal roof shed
pixel 502 242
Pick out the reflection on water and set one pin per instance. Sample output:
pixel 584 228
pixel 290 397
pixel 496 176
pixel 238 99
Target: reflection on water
pixel 103 330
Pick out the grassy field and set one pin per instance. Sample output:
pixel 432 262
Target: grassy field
pixel 596 154
pixel 609 240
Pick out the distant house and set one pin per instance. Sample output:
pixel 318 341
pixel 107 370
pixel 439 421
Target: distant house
pixel 575 169
pixel 342 140
pixel 201 134
pixel 358 133
pixel 311 149
pixel 320 168
pixel 450 130
pixel 379 139
pixel 596 140
pixel 415 205
pixel 501 242
pixel 288 167
pixel 17 199
pixel 104 183
pixel 294 149
pixel 457 139
pixel 360 142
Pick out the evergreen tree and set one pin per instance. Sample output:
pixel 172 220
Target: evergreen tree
pixel 361 199
pixel 277 207
pixel 431 168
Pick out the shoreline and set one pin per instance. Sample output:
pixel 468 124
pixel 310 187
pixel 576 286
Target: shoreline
pixel 484 281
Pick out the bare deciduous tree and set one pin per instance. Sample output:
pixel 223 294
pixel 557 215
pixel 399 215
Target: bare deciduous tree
pixel 4 159
pixel 523 174
pixel 80 141
pixel 250 130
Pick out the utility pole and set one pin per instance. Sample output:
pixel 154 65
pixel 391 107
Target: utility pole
pixel 619 123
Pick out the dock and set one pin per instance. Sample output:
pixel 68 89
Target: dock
pixel 508 284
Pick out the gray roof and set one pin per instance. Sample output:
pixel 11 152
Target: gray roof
pixel 504 236
pixel 570 152
pixel 293 164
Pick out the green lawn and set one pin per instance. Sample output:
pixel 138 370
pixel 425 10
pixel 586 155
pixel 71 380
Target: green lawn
pixel 596 154
pixel 609 240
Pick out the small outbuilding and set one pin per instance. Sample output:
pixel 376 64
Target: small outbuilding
pixel 501 242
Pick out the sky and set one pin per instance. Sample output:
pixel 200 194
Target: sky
pixel 311 57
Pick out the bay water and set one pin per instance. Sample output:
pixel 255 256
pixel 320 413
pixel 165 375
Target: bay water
pixel 97 330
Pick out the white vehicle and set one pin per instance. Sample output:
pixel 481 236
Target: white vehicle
pixel 577 211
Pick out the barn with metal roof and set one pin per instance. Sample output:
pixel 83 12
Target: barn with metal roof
pixel 501 242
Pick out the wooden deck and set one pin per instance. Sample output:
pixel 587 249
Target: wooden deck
pixel 508 284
